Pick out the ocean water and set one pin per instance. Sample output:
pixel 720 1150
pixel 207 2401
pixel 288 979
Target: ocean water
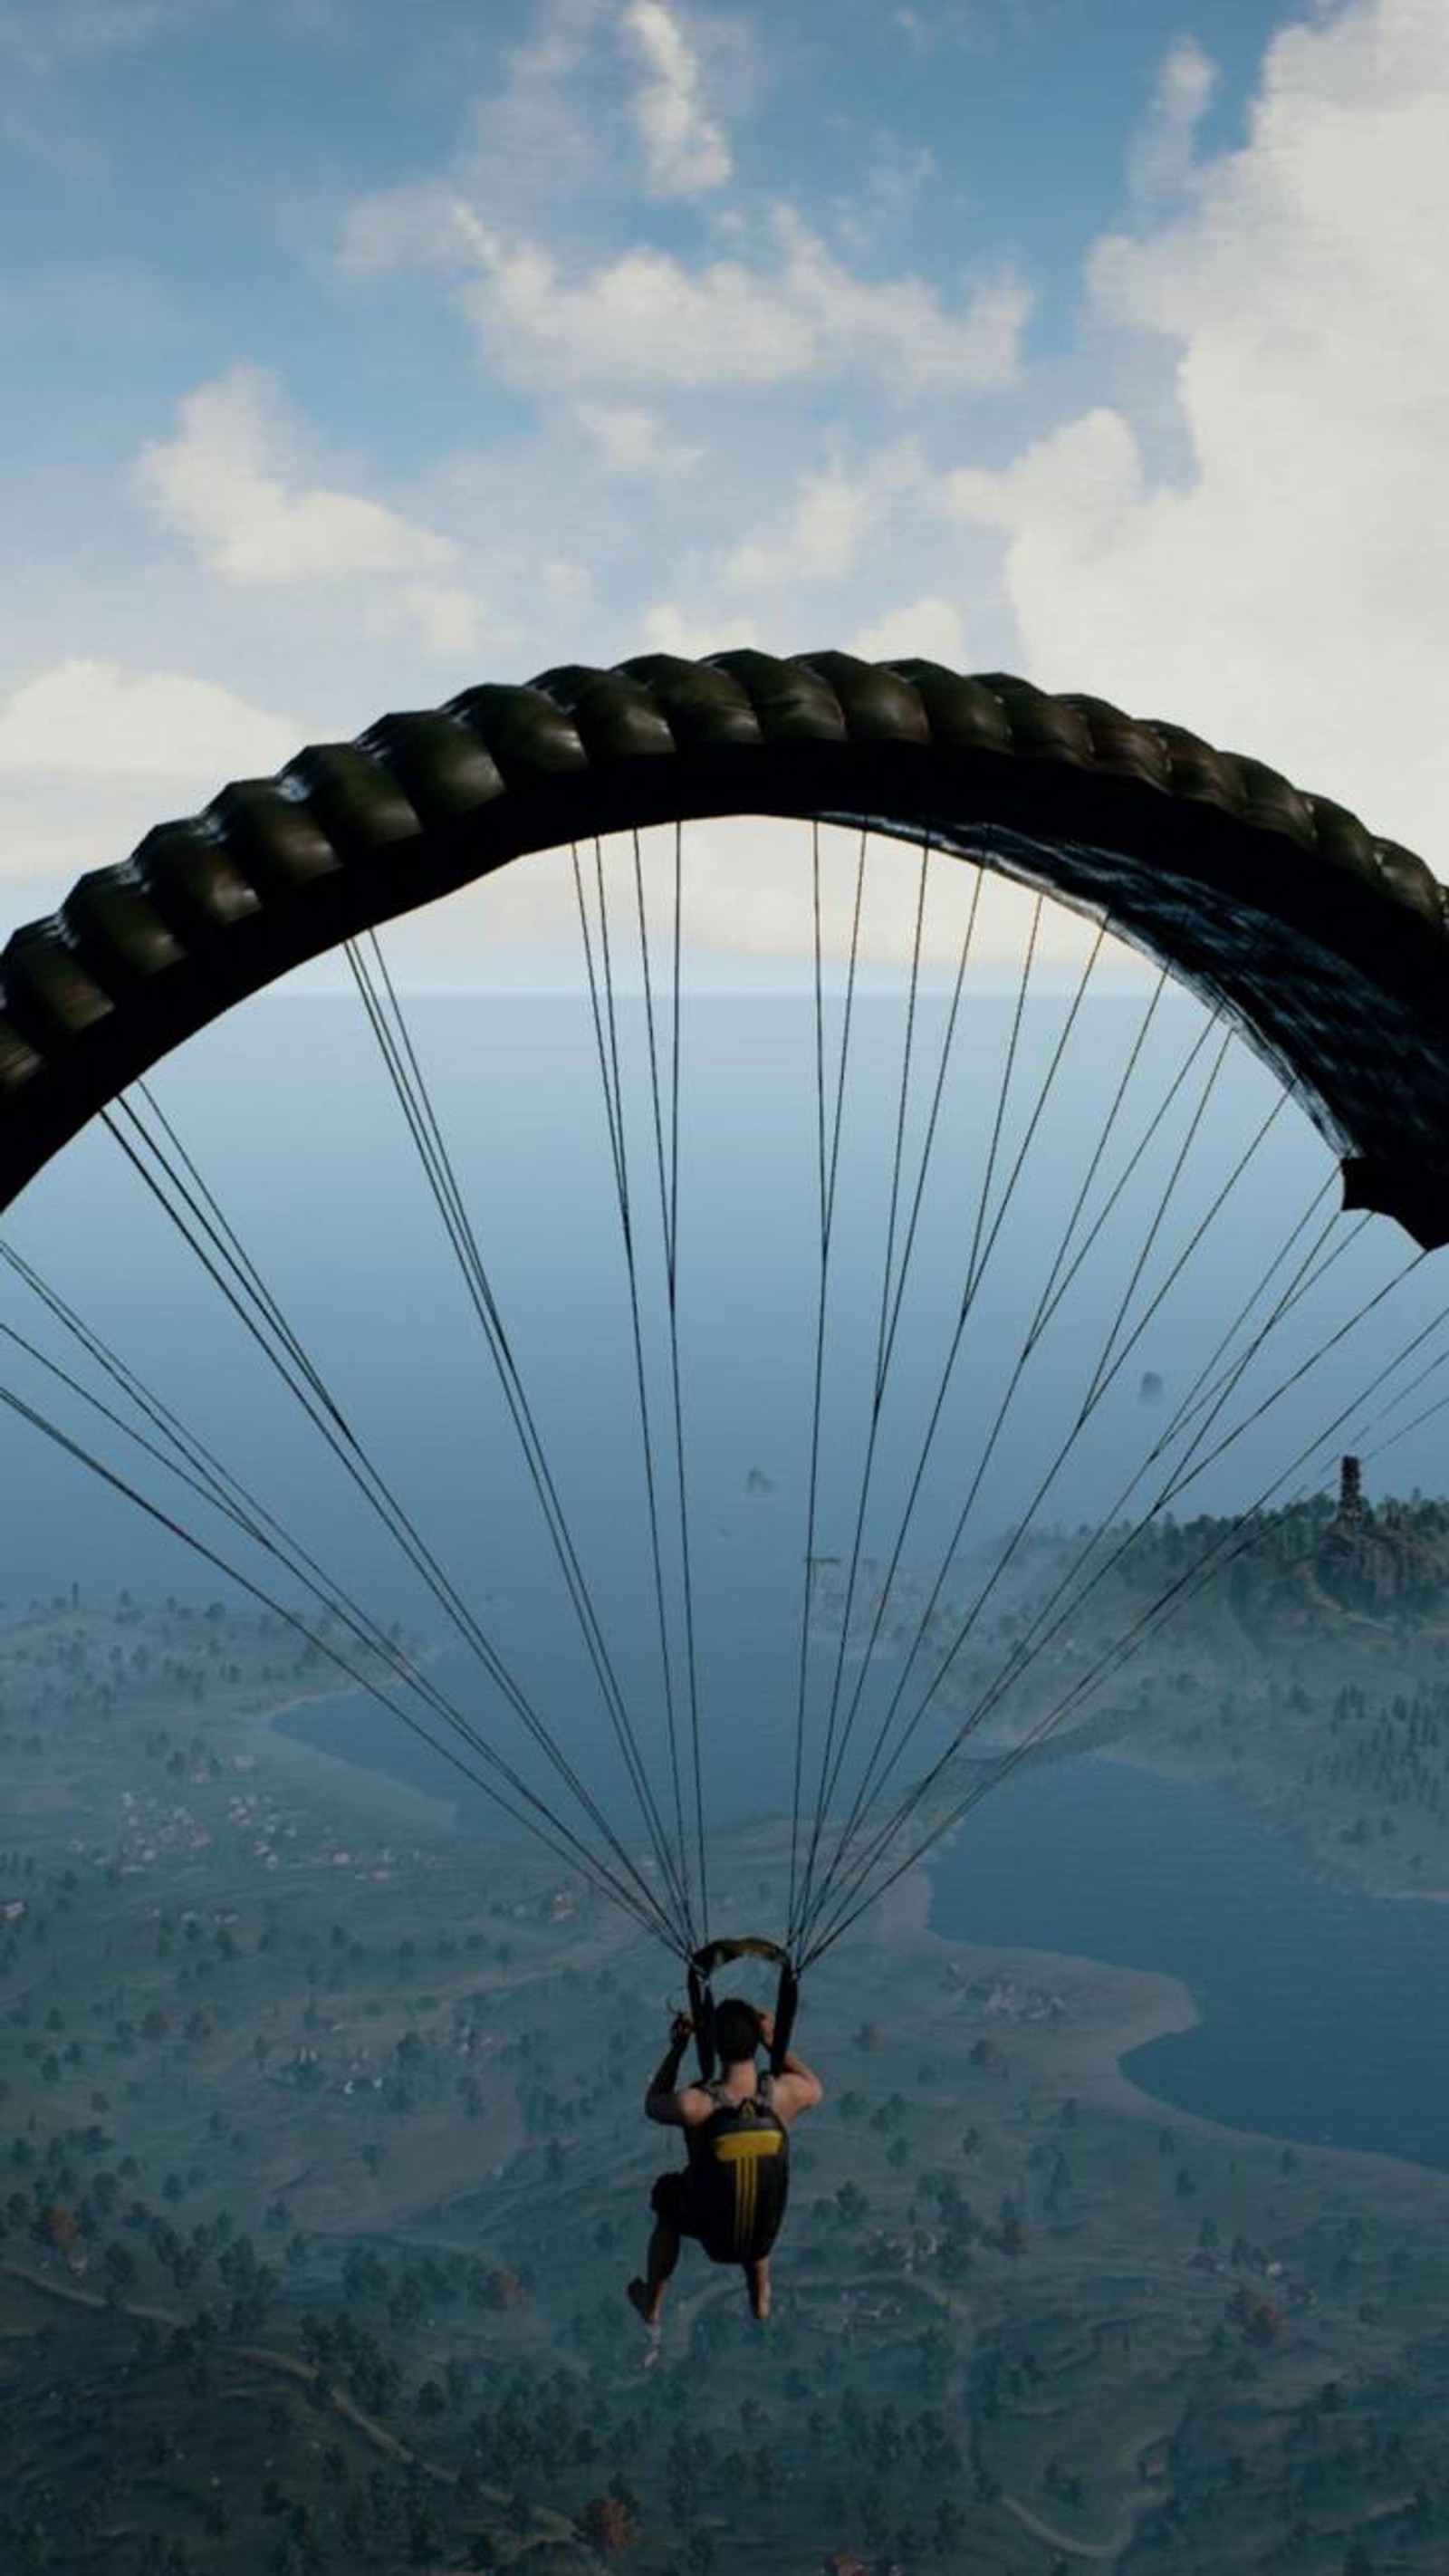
pixel 1319 2005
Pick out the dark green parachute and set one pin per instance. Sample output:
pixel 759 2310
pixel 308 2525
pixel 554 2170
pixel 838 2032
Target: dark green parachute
pixel 1327 947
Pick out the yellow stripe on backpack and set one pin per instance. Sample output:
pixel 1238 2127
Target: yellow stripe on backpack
pixel 743 2148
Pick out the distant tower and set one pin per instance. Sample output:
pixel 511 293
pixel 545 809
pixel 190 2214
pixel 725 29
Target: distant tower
pixel 1351 1504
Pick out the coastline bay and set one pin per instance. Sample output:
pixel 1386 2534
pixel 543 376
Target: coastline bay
pixel 1312 1999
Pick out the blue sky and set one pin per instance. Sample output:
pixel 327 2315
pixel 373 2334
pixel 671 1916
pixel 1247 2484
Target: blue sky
pixel 353 355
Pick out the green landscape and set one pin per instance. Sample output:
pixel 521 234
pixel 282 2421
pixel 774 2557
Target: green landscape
pixel 322 2164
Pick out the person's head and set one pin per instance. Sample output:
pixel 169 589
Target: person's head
pixel 736 2030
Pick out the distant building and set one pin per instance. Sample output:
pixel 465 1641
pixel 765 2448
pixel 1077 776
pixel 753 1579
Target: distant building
pixel 1351 1504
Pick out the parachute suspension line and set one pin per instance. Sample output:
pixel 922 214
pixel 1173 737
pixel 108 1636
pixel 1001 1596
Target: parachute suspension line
pixel 612 1095
pixel 696 1933
pixel 921 1178
pixel 978 1265
pixel 881 1364
pixel 1219 1553
pixel 1178 1477
pixel 933 1120
pixel 845 1028
pixel 1181 1476
pixel 1023 1358
pixel 391 1030
pixel 606 1036
pixel 674 1053
pixel 674 1063
pixel 1108 1365
pixel 1044 1308
pixel 191 1224
pixel 812 1480
pixel 1112 1362
pixel 900 1144
pixel 225 1494
pixel 1364 1433
pixel 1404 1429
pixel 866 1792
pixel 837 1744
pixel 1182 1479
pixel 669 1218
pixel 1043 1095
pixel 1048 1302
pixel 208 1477
pixel 1042 1313
pixel 229 1244
pixel 1042 1627
pixel 1061 1283
pixel 826 1162
pixel 973 1274
pixel 1200 1395
pixel 567 1849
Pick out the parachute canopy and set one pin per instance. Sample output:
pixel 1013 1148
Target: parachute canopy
pixel 1323 948
pixel 1327 947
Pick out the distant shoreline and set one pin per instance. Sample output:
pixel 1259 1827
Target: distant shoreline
pixel 372 1790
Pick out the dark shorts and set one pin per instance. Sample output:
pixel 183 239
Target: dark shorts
pixel 672 2199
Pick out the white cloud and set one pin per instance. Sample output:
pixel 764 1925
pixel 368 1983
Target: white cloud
pixel 544 123
pixel 627 438
pixel 927 630
pixel 818 542
pixel 90 749
pixel 964 28
pixel 685 152
pixel 411 226
pixel 566 585
pixel 234 483
pixel 222 483
pixel 1161 161
pixel 442 615
pixel 1288 591
pixel 671 629
pixel 833 513
pixel 648 320
pixel 551 137
pixel 91 719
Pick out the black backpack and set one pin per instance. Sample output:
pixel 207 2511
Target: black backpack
pixel 739 2163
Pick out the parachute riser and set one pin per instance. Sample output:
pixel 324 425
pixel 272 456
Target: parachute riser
pixel 717 1954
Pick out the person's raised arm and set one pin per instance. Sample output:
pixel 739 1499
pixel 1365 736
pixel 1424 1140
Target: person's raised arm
pixel 807 2087
pixel 661 2102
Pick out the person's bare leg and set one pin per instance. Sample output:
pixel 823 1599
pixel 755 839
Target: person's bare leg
pixel 757 2276
pixel 648 2295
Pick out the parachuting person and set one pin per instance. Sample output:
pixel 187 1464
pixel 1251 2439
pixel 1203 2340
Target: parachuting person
pixel 731 2195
